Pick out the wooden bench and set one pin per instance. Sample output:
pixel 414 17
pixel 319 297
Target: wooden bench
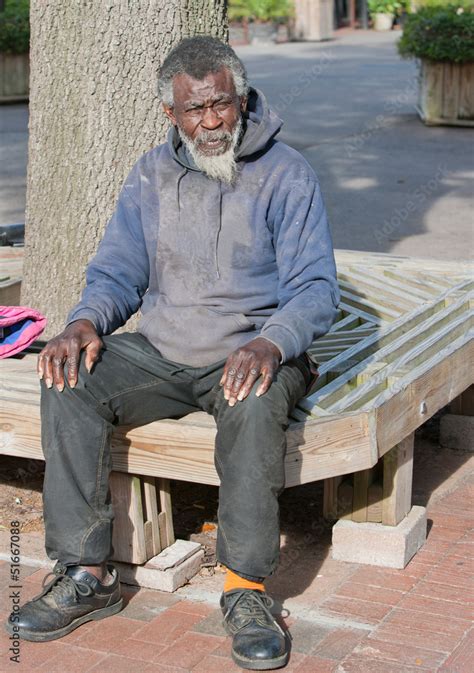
pixel 401 349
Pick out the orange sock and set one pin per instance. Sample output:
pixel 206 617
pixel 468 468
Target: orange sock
pixel 234 581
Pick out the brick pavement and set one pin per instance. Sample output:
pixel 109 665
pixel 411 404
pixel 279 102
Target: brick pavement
pixel 366 620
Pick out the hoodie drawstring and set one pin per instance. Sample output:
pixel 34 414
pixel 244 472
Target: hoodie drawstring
pixel 178 183
pixel 219 227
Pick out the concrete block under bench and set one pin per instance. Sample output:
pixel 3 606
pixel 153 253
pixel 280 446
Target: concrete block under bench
pixel 377 544
pixel 168 570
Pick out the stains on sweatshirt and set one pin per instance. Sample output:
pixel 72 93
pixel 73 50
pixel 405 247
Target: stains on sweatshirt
pixel 214 266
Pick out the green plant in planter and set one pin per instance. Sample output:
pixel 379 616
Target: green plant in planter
pixel 385 7
pixel 259 10
pixel 419 4
pixel 15 27
pixel 441 33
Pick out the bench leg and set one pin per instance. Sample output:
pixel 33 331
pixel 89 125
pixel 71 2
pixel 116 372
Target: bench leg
pixel 355 497
pixel 381 527
pixel 381 494
pixel 330 506
pixel 463 404
pixel 128 537
pixel 166 514
pixel 141 529
pixel 362 481
pixel 397 481
pixel 457 427
pixel 153 541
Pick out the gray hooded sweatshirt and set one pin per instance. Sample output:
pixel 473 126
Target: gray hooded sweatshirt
pixel 213 266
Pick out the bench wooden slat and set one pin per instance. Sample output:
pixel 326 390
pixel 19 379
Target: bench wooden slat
pixel 429 388
pixel 390 342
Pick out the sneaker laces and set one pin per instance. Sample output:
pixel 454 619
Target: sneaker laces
pixel 63 586
pixel 254 605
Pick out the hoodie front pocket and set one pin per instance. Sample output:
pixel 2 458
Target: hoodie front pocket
pixel 240 319
pixel 244 322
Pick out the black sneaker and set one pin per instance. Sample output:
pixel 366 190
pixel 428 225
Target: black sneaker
pixel 259 643
pixel 73 597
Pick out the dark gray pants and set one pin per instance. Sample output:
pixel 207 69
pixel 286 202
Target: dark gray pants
pixel 133 384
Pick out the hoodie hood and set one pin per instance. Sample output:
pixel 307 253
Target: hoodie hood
pixel 261 125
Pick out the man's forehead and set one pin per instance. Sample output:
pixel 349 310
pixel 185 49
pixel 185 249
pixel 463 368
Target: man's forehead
pixel 186 87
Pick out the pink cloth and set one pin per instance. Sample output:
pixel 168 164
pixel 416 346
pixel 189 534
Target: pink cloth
pixel 19 327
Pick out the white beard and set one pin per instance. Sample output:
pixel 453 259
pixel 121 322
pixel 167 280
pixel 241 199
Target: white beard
pixel 219 166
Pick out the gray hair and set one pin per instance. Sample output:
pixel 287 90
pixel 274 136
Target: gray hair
pixel 198 56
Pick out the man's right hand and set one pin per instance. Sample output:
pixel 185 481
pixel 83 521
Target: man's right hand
pixel 66 349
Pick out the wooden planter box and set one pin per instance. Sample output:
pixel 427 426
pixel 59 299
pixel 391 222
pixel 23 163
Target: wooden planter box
pixel 446 93
pixel 262 32
pixel 14 77
pixel 257 32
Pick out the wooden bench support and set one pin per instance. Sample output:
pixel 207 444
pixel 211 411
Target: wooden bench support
pixel 362 480
pixel 345 498
pixel 456 430
pixel 397 481
pixel 143 523
pixel 166 514
pixel 380 494
pixel 463 404
pixel 374 502
pixel 330 497
pixel 381 527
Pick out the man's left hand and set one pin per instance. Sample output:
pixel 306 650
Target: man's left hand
pixel 259 357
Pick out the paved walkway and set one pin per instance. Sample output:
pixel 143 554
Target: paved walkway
pixel 390 183
pixel 344 618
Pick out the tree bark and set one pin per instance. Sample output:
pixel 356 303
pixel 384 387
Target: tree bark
pixel 94 110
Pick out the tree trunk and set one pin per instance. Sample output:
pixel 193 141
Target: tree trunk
pixel 93 111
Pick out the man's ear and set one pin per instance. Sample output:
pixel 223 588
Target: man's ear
pixel 170 114
pixel 243 103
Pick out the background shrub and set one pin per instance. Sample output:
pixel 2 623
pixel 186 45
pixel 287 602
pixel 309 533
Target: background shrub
pixel 15 27
pixel 439 32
